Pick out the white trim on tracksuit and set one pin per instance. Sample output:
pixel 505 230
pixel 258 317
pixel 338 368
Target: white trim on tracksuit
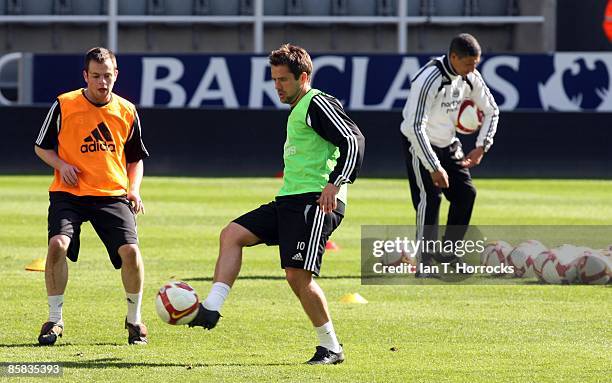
pixel 315 239
pixel 46 123
pixel 340 124
pixel 422 207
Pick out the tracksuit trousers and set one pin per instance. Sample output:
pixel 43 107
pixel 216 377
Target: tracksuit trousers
pixel 426 197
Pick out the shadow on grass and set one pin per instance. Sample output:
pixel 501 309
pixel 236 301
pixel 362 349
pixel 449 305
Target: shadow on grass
pixel 117 363
pixel 17 345
pixel 268 278
pixel 516 281
pixel 25 345
pixel 111 344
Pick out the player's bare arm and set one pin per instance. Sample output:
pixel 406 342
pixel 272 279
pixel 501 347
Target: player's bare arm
pixel 135 172
pixel 68 172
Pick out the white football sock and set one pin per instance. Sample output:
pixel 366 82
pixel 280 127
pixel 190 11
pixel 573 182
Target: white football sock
pixel 217 296
pixel 327 337
pixel 56 303
pixel 134 301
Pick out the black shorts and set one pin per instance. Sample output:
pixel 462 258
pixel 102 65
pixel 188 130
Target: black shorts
pixel 297 225
pixel 112 218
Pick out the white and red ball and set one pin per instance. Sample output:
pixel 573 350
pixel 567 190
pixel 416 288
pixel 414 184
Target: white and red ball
pixel 594 268
pixel 523 257
pixel 177 303
pixel 469 117
pixel 398 258
pixel 538 262
pixel 495 253
pixel 559 265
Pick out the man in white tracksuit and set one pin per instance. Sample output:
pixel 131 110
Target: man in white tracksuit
pixel 435 160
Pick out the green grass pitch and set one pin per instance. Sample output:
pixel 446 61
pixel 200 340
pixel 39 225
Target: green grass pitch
pixel 474 333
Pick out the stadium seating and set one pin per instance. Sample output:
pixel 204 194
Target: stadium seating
pixel 62 7
pixel 361 8
pixel 132 7
pixel 275 7
pixel 156 7
pixel 87 7
pixel 221 7
pixel 179 7
pixel 449 7
pixel 309 7
pixel 493 7
pixel 429 24
pixel 414 7
pixel 141 7
pixel 30 7
pixel 225 7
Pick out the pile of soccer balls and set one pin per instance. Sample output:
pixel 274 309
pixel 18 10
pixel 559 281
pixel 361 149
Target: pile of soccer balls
pixel 560 265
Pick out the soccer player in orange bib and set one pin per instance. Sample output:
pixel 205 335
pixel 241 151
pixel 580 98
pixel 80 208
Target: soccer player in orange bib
pixel 92 139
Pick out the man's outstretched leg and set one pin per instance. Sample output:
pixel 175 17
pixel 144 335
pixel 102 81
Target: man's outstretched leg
pixel 231 241
pixel 314 303
pixel 56 278
pixel 132 276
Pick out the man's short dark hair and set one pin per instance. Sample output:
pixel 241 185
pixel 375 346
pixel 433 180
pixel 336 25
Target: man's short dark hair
pixel 296 58
pixel 465 45
pixel 99 55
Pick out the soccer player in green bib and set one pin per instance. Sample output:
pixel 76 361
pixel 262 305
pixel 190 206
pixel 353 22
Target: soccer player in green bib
pixel 322 154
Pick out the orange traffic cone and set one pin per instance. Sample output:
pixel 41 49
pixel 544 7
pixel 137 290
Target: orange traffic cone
pixel 332 246
pixel 607 24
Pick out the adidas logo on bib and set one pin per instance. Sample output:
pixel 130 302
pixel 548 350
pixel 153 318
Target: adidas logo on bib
pixel 100 140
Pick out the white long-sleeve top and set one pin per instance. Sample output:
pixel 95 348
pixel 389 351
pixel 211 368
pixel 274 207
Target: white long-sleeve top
pixel 430 113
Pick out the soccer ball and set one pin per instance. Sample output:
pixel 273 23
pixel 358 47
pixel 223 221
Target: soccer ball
pixel 469 118
pixel 495 253
pixel 177 303
pixel 559 265
pixel 523 257
pixel 397 258
pixel 538 262
pixel 594 268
